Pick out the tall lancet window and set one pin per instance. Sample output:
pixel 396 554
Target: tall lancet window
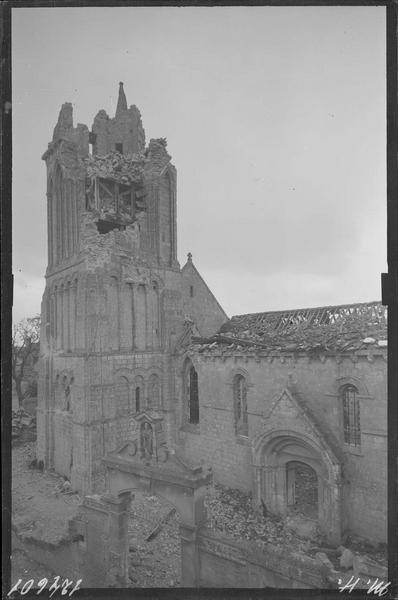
pixel 351 417
pixel 139 391
pixel 191 394
pixel 155 315
pixel 240 403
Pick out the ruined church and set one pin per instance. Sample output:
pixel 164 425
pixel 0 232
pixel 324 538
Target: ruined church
pixel 289 405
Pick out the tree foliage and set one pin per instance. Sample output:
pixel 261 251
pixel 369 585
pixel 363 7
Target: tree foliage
pixel 25 339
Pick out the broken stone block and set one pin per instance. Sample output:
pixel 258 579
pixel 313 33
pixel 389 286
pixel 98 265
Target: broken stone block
pixel 323 559
pixel 346 558
pixel 22 523
pixel 328 551
pixel 66 486
pixel 364 565
pixel 303 527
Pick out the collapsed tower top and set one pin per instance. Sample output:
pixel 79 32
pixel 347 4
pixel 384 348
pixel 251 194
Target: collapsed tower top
pixel 123 133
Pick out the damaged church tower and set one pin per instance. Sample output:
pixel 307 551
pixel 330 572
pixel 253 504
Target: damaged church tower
pixel 116 302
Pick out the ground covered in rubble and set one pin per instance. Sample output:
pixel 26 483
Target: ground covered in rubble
pixel 231 513
pixel 38 504
pixel 154 563
pixel 43 504
pixel 41 507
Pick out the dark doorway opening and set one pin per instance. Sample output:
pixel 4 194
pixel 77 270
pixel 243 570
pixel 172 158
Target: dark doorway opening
pixel 302 489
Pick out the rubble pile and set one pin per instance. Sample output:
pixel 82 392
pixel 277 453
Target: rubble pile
pixel 23 427
pixel 230 512
pixel 154 560
pixel 124 169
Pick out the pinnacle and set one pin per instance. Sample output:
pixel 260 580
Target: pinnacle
pixel 122 101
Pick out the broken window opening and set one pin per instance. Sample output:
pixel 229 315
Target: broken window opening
pixel 92 139
pixel 119 148
pixel 191 291
pixel 113 201
pixel 107 226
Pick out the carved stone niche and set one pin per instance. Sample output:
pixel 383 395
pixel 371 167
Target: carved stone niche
pixel 149 442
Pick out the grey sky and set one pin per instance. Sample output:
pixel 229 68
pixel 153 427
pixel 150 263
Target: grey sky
pixel 275 119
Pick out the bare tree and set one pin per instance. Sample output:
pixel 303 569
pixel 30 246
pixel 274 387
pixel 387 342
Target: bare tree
pixel 25 339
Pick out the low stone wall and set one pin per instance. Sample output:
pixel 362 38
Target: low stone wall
pixel 228 563
pixel 63 559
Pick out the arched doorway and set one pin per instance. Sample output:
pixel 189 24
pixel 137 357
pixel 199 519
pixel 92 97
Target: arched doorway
pixel 293 473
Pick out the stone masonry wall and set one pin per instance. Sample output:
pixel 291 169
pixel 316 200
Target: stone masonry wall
pixel 364 469
pixel 228 563
pixel 199 303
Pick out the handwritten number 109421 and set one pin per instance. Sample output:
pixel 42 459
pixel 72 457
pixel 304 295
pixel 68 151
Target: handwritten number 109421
pixel 67 587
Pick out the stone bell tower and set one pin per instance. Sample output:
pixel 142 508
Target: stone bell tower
pixel 113 307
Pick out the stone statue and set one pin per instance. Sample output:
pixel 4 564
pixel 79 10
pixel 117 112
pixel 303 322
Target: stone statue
pixel 146 441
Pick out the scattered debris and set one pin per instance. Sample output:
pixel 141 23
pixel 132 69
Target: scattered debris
pixel 36 464
pixel 160 525
pixel 64 486
pixel 23 427
pixel 324 560
pixel 346 558
pixel 365 565
pixel 303 526
pixel 125 169
pixel 33 497
pixel 230 511
pixel 162 558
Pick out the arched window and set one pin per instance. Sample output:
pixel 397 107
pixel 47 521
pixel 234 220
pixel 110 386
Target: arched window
pixel 351 422
pixel 137 399
pixel 67 398
pixel 191 394
pixel 240 403
pixel 138 394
